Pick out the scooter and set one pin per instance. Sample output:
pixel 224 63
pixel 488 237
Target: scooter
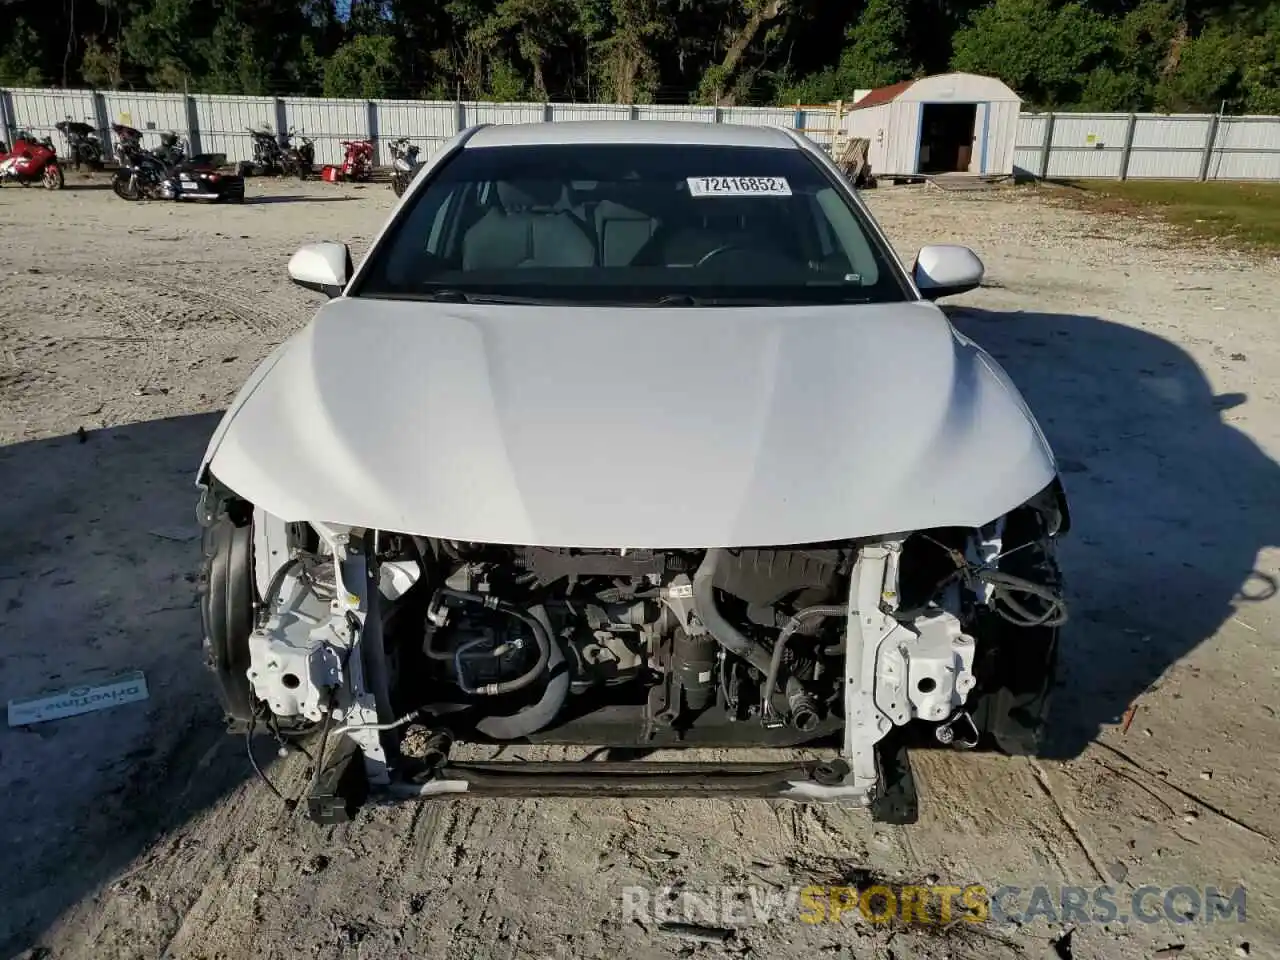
pixel 31 161
pixel 404 164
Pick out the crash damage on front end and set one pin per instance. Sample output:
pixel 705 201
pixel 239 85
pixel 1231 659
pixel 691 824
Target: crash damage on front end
pixel 388 647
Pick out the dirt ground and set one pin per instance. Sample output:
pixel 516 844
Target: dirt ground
pixel 139 832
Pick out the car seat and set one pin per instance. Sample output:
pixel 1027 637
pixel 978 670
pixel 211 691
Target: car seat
pixel 529 228
pixel 622 232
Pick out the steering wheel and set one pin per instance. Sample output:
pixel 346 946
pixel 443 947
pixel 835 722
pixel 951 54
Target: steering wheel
pixel 710 255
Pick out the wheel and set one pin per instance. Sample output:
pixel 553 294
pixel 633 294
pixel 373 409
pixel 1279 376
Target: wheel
pixel 123 187
pixel 398 184
pixel 226 590
pixel 52 177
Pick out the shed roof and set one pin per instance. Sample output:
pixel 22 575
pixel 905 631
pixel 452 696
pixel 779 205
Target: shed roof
pixel 883 95
pixel 942 87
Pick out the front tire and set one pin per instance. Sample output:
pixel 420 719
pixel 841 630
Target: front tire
pixel 123 186
pixel 51 177
pixel 227 592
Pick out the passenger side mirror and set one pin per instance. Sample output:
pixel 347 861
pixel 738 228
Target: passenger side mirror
pixel 325 267
pixel 944 269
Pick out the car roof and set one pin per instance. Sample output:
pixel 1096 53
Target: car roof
pixel 681 132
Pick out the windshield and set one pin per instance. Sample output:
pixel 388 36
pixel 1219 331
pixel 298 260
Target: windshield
pixel 632 224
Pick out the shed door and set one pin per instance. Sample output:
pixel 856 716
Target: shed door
pixel 981 125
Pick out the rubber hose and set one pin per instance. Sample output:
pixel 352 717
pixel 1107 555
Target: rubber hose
pixel 803 706
pixel 726 634
pixel 794 624
pixel 274 585
pixel 541 634
pixel 543 637
pixel 430 650
pixel 535 717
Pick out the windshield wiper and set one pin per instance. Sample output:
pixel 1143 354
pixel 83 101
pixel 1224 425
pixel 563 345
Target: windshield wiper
pixel 685 300
pixel 449 295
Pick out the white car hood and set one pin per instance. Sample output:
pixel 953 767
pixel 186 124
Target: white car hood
pixel 631 427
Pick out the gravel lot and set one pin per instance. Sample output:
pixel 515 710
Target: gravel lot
pixel 136 832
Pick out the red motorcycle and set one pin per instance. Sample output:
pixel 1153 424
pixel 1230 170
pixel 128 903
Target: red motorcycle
pixel 31 161
pixel 357 160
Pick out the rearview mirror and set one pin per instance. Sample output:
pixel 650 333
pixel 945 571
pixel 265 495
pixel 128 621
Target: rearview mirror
pixel 325 267
pixel 944 269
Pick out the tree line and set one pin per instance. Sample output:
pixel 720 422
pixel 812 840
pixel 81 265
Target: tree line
pixel 1139 55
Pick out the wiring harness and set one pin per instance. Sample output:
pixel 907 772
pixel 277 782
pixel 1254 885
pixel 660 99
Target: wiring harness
pixel 1020 601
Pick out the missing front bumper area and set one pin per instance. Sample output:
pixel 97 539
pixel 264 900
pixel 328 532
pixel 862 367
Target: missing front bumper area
pixel 337 632
pixel 342 788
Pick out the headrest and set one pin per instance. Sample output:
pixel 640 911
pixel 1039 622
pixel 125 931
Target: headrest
pixel 528 194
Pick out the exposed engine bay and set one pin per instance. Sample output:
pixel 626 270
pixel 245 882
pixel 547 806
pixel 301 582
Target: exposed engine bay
pixel 950 633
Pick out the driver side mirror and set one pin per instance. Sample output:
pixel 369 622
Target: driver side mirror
pixel 325 267
pixel 945 269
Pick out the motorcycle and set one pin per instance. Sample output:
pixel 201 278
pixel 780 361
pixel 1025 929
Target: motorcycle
pixel 276 155
pixel 302 158
pixel 31 161
pixel 357 159
pixel 84 148
pixel 128 142
pixel 172 150
pixel 144 175
pixel 404 164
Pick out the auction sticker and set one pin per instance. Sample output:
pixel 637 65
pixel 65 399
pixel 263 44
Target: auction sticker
pixel 739 187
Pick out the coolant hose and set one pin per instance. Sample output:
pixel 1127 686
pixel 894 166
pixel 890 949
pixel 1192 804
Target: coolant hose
pixel 775 662
pixel 538 715
pixel 726 634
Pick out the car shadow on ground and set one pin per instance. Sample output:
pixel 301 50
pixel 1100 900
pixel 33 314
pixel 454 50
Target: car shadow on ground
pixel 289 199
pixel 98 577
pixel 1170 502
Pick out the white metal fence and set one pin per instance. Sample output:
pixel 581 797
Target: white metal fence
pixel 1148 146
pixel 221 124
pixel 1085 145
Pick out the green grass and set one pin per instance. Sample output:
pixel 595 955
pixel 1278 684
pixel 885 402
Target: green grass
pixel 1243 214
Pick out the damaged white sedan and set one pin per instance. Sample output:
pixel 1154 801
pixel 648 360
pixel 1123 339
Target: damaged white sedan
pixel 636 435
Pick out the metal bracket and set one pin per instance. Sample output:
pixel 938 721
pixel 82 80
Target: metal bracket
pixel 874 583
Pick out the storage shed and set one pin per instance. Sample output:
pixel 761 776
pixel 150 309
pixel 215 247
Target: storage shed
pixel 949 123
